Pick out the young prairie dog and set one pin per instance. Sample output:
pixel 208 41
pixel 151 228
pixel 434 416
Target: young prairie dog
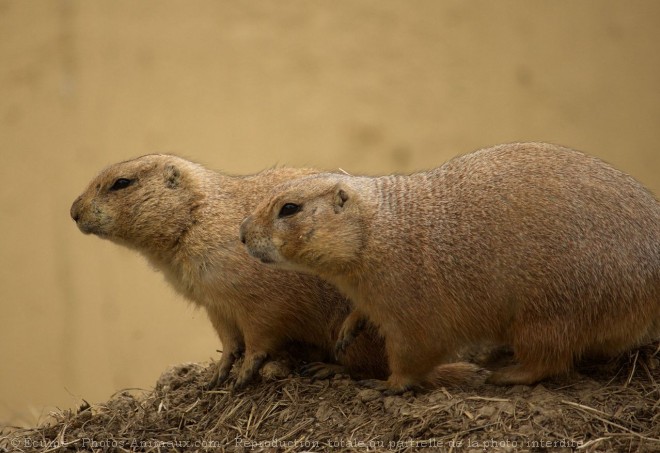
pixel 531 245
pixel 184 218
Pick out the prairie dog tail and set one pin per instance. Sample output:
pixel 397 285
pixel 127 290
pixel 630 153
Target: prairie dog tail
pixel 457 375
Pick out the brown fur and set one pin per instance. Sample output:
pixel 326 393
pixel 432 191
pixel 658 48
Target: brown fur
pixel 184 218
pixel 540 247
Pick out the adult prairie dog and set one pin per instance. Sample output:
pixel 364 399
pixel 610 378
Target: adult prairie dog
pixel 184 219
pixel 532 245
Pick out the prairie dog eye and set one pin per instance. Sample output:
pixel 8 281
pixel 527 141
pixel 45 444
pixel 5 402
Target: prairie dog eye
pixel 121 183
pixel 289 209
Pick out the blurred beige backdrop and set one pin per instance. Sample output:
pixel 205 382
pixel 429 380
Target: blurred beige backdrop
pixel 370 86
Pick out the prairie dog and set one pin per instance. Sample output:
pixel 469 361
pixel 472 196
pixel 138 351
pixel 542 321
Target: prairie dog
pixel 531 245
pixel 184 219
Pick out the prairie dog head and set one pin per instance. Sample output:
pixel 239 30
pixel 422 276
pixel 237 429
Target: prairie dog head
pixel 310 224
pixel 143 203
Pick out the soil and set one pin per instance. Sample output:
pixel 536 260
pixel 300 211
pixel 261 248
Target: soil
pixel 611 406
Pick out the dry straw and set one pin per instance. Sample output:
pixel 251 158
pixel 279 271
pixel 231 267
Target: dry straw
pixel 611 407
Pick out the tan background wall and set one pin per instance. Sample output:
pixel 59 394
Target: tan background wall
pixel 366 85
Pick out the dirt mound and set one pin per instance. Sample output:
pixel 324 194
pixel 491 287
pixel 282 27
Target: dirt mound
pixel 609 407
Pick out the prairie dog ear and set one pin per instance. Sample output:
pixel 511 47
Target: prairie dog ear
pixel 341 196
pixel 172 176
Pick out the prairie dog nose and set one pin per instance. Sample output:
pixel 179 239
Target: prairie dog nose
pixel 244 226
pixel 75 209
